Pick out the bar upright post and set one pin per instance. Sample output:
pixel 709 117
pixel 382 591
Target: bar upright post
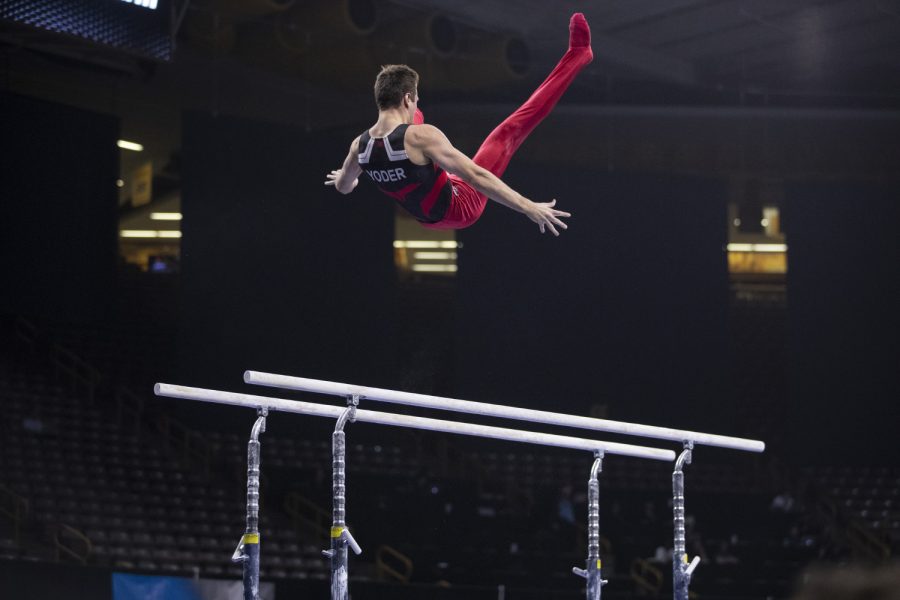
pixel 340 535
pixel 247 551
pixel 591 572
pixel 682 570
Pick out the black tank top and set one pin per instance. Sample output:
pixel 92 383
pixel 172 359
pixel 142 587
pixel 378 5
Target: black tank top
pixel 423 190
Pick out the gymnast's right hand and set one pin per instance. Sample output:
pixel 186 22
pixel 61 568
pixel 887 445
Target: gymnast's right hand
pixel 331 179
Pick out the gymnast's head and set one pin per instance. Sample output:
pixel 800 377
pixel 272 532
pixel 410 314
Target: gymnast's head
pixel 396 87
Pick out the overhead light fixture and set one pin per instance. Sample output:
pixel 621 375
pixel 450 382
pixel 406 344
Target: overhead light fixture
pixel 769 247
pixel 165 216
pixel 149 233
pixel 757 247
pixel 417 244
pixel 434 268
pixel 126 145
pixel 151 4
pixel 120 183
pixel 434 255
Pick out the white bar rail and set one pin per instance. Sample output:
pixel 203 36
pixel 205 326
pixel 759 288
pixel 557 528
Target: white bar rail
pixel 495 410
pixel 368 416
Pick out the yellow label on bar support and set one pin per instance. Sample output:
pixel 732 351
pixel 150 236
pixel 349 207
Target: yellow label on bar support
pixel 250 538
pixel 336 532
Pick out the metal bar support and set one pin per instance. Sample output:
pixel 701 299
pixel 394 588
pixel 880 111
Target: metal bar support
pixel 682 570
pixel 591 572
pixel 247 551
pixel 341 537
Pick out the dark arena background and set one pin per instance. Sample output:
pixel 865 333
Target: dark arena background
pixel 731 266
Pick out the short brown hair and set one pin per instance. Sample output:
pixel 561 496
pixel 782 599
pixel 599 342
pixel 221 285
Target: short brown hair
pixel 392 83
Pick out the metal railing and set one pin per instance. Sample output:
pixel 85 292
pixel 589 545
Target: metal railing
pixel 188 445
pixel 307 516
pixel 15 507
pixel 385 571
pixel 129 410
pixel 81 374
pixel 865 545
pixel 27 333
pixel 647 577
pixel 63 535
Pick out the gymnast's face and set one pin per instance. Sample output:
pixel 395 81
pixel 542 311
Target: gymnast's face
pixel 411 102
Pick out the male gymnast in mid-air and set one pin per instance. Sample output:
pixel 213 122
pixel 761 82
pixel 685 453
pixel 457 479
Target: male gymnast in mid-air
pixel 437 184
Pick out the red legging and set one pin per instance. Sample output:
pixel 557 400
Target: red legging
pixel 467 204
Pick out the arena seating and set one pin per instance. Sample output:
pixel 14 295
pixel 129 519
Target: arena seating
pixel 466 512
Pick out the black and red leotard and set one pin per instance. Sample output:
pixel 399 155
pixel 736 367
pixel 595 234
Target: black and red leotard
pixel 424 191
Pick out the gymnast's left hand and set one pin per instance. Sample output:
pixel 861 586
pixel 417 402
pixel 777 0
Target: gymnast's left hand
pixel 547 217
pixel 331 179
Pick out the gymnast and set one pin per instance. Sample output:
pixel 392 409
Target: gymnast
pixel 437 184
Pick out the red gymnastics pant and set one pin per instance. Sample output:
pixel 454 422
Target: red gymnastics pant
pixel 495 153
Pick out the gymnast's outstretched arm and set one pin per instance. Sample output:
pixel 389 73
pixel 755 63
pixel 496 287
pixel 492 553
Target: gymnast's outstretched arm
pixel 346 178
pixel 434 144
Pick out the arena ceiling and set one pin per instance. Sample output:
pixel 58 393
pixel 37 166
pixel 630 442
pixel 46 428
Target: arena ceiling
pixel 799 54
pixel 831 52
pixel 824 47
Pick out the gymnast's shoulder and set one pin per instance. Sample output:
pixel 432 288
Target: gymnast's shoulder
pixel 424 135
